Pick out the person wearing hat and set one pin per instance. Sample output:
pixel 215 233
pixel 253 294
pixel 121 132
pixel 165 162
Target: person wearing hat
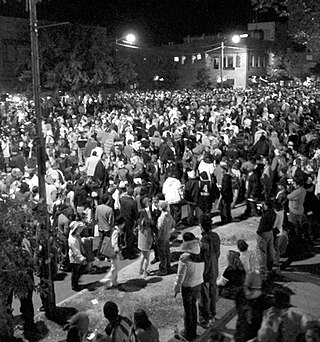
pixel 188 281
pixel 76 253
pixel 282 322
pixel 120 328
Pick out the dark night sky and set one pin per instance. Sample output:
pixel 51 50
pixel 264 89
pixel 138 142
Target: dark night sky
pixel 155 21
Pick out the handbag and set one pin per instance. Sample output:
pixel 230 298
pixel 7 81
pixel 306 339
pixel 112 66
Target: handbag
pixel 107 249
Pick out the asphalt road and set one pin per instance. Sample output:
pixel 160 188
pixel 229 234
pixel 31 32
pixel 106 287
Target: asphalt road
pixel 62 284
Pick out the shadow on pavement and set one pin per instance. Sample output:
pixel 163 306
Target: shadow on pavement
pixel 134 285
pixel 60 276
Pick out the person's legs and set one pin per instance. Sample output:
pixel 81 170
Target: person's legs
pixel 162 256
pixel 101 238
pixel 147 258
pixel 75 275
pixel 189 297
pixel 212 300
pixel 270 250
pixel 262 250
pixel 204 304
pixel 168 256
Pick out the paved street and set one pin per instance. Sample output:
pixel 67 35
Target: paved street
pixel 63 283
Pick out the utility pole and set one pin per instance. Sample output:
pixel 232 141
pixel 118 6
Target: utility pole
pixel 49 302
pixel 222 60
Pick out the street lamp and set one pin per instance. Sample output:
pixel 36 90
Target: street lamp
pixel 235 39
pixel 127 41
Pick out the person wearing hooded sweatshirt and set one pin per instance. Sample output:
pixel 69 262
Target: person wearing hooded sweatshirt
pixel 189 280
pixel 76 253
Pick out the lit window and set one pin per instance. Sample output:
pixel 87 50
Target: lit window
pixel 252 61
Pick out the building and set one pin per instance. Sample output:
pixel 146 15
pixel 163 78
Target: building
pixel 242 62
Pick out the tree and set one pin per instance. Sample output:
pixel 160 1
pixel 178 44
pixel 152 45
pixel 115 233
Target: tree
pixel 15 261
pixel 303 19
pixel 203 79
pixel 78 59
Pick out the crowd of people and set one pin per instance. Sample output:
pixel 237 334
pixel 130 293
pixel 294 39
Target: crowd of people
pixel 133 167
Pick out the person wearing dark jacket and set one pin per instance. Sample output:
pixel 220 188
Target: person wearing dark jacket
pixel 210 250
pixel 80 196
pixel 191 195
pixel 226 194
pixel 261 148
pixel 265 238
pixel 253 192
pixel 129 210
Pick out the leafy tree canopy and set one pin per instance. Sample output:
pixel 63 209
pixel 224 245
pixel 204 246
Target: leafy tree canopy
pixel 303 18
pixel 79 58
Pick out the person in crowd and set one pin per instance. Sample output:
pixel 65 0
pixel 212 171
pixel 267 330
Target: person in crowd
pixel 117 244
pixel 246 256
pixel 191 195
pixel 232 279
pixel 63 231
pixel 105 217
pixel 188 282
pixel 172 190
pixel 226 194
pixel 76 253
pixel 119 328
pixel 129 210
pixel 155 213
pixel 206 194
pixel 251 308
pixel 145 235
pixel 77 327
pixel 312 332
pixel 281 322
pixel 165 225
pixel 296 209
pixel 210 249
pixel 144 330
pixel 253 192
pixel 265 239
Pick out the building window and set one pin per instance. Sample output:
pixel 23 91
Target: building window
pixel 258 62
pixel 309 57
pixel 229 62
pixel 263 61
pixel 215 63
pixel 252 61
pixel 238 61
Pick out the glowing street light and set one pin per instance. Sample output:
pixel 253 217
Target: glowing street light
pixel 127 41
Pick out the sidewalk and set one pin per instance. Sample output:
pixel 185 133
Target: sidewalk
pixel 155 293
